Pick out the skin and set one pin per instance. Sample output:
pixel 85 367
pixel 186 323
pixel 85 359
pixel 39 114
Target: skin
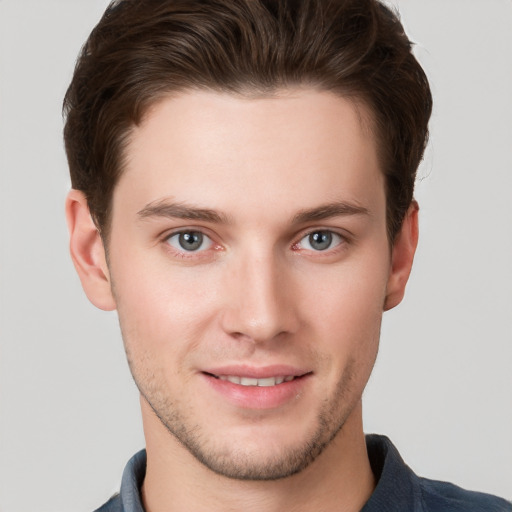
pixel 256 176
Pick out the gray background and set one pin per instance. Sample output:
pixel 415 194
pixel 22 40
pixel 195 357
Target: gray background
pixel 442 387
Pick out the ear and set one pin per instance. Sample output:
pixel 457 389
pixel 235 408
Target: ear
pixel 87 252
pixel 402 256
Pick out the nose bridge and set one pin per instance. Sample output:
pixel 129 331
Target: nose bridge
pixel 260 305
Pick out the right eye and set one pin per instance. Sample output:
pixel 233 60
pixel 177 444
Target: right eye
pixel 189 241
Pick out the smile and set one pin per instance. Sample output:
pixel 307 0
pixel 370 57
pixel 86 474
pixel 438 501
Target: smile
pixel 249 381
pixel 258 388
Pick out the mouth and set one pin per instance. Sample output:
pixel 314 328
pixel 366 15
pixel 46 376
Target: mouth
pixel 258 388
pixel 250 381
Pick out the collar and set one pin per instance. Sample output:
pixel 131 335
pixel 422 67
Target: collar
pixel 397 488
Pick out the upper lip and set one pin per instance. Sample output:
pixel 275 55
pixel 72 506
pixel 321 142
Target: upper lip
pixel 253 372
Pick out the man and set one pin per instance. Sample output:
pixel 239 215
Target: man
pixel 243 177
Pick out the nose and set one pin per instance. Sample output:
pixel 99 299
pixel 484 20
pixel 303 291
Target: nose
pixel 260 300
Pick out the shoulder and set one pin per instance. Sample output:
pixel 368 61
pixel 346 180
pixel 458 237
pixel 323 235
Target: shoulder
pixel 400 489
pixel 113 505
pixel 447 497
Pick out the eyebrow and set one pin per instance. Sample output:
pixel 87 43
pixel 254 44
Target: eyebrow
pixel 340 208
pixel 167 209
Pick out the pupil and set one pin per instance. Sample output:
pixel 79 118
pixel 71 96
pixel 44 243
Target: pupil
pixel 191 241
pixel 320 240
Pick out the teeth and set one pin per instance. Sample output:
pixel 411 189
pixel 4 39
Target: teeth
pixel 271 381
pixel 248 381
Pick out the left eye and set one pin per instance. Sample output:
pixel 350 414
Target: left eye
pixel 189 241
pixel 320 241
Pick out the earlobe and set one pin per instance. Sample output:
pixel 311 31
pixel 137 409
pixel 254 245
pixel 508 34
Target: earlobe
pixel 87 252
pixel 402 256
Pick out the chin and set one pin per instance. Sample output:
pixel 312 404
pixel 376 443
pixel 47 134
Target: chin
pixel 259 464
pixel 258 452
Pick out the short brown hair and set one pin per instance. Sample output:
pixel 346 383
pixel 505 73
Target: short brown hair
pixel 144 49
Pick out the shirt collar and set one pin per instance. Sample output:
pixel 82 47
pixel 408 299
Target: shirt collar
pixel 397 487
pixel 131 484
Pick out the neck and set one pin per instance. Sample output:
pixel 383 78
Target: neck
pixel 340 479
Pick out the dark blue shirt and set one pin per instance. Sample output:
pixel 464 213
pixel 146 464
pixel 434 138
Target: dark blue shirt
pixel 398 488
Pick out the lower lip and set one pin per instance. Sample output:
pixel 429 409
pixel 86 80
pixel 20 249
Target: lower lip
pixel 258 397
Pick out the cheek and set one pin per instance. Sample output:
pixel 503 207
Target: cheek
pixel 162 309
pixel 348 308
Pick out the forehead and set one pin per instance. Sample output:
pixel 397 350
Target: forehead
pixel 294 147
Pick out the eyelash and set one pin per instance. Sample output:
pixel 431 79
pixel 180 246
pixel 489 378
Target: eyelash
pixel 342 241
pixel 182 253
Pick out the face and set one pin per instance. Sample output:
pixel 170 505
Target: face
pixel 250 265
